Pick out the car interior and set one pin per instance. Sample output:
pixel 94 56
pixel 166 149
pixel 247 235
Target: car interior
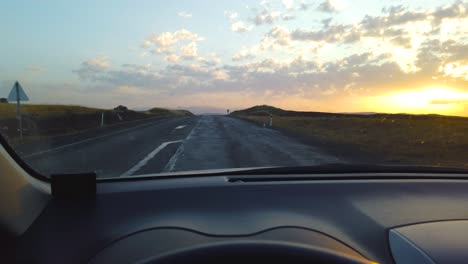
pixel 248 215
pixel 253 131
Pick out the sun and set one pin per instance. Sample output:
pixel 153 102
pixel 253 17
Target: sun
pixel 433 100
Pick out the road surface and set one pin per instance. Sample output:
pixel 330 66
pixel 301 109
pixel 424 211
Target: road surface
pixel 175 144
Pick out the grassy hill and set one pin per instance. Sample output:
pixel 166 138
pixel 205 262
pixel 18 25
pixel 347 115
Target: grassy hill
pixel 266 110
pixel 383 138
pixel 169 112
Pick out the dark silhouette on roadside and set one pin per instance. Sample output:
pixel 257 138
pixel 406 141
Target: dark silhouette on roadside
pixel 121 108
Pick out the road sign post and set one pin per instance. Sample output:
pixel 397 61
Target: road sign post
pixel 17 94
pixel 18 113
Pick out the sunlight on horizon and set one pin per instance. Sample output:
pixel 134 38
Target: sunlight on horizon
pixel 433 100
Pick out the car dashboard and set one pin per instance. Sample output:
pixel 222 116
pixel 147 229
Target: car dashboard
pixel 361 218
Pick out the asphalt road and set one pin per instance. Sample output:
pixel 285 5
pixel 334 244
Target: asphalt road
pixel 175 144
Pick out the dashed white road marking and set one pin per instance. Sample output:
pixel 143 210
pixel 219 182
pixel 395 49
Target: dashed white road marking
pixel 194 128
pixel 180 127
pixel 148 157
pixel 171 163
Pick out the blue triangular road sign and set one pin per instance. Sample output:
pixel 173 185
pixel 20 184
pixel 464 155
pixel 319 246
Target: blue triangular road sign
pixel 17 91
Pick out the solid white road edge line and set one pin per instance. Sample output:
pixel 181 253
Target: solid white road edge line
pixel 148 157
pixel 89 139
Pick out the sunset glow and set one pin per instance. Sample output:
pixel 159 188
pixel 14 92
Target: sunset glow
pixel 339 56
pixel 425 101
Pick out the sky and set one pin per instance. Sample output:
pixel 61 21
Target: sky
pixel 324 55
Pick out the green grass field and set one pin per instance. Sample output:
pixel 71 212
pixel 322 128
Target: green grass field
pixel 432 140
pixel 9 110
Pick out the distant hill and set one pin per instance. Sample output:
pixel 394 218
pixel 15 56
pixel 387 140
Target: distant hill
pixel 169 112
pixel 359 113
pixel 266 110
pixel 196 110
pixel 201 110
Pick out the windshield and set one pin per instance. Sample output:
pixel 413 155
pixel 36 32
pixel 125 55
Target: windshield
pixel 126 88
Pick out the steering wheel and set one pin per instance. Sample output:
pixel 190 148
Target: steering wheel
pixel 255 252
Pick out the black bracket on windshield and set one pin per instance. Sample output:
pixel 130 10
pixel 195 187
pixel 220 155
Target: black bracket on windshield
pixel 78 185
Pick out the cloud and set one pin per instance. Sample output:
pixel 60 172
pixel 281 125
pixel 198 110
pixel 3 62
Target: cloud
pixel 326 22
pixel 244 54
pixel 303 6
pixel 287 17
pixel 266 17
pixel 172 58
pixel 449 101
pixel 240 27
pixel 210 61
pixel 277 38
pixel 189 51
pixel 457 10
pixel 447 59
pixel 457 51
pixel 144 79
pixel 397 25
pixel 357 59
pixel 220 75
pixel 334 33
pixel 98 62
pixel 35 68
pixel 404 42
pixel 137 67
pixel 357 74
pixel 396 16
pixel 231 15
pixel 282 65
pixel 268 13
pixel 168 39
pixel 328 6
pixel 146 43
pixel 181 44
pixel 92 67
pixel 281 35
pixel 184 14
pixel 289 4
pixel 125 89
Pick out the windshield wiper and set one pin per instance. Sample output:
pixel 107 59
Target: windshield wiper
pixel 337 168
pixel 333 171
pixel 347 172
